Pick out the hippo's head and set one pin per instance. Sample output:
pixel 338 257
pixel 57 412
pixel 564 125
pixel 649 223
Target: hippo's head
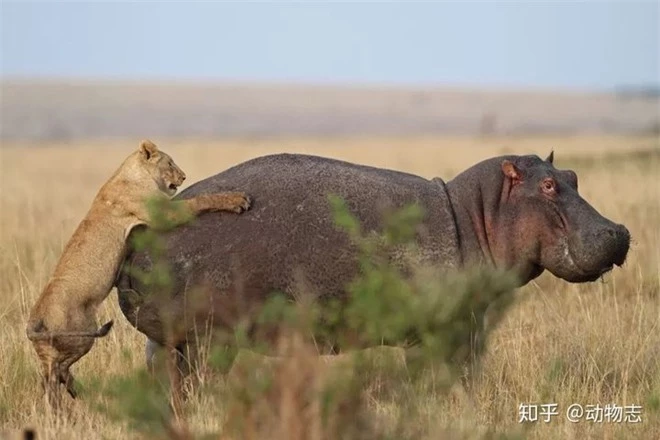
pixel 533 218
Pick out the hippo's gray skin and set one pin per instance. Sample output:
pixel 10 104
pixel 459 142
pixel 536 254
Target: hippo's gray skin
pixel 516 212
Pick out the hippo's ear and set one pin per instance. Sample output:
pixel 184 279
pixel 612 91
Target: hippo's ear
pixel 511 171
pixel 148 149
pixel 551 157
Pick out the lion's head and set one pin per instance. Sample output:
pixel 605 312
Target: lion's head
pixel 159 167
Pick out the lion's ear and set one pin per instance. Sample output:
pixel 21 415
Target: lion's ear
pixel 148 149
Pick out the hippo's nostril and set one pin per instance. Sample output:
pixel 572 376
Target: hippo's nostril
pixel 617 231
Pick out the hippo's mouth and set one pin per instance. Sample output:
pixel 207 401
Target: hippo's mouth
pixel 589 277
pixel 571 270
pixel 585 277
pixel 582 275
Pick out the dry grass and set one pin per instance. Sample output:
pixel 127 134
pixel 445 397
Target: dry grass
pixel 597 343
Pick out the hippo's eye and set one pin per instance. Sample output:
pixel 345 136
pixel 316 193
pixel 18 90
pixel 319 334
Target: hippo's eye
pixel 548 186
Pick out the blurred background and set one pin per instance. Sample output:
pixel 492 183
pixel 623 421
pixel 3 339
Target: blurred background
pixel 81 70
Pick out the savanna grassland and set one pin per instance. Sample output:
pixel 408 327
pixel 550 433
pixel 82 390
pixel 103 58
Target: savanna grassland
pixel 562 343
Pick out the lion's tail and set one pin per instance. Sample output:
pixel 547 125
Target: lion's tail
pixel 34 335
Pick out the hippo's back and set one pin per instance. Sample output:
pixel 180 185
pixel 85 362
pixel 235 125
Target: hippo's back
pixel 310 177
pixel 288 239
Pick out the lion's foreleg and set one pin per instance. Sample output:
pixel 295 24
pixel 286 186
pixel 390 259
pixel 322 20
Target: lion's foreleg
pixel 224 201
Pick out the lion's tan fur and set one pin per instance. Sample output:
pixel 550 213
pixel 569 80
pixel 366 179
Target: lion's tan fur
pixel 86 271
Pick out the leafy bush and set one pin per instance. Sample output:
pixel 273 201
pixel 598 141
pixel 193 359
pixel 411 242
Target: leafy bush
pixel 436 315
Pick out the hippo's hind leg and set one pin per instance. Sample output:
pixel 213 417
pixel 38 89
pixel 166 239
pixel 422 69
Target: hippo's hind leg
pixel 166 360
pixel 155 353
pixel 176 382
pixel 151 349
pixel 179 363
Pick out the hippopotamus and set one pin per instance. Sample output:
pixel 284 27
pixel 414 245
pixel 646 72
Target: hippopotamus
pixel 514 212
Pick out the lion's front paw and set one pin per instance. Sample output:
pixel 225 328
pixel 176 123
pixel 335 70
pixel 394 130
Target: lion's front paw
pixel 239 201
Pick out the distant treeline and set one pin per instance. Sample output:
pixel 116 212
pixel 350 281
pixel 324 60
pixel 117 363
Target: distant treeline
pixel 61 110
pixel 648 91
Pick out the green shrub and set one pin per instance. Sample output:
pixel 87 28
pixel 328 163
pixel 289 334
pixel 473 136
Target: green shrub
pixel 435 314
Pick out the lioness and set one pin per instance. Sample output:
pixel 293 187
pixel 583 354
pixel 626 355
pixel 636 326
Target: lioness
pixel 62 323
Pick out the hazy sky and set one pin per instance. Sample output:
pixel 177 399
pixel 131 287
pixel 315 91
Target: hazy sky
pixel 548 44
